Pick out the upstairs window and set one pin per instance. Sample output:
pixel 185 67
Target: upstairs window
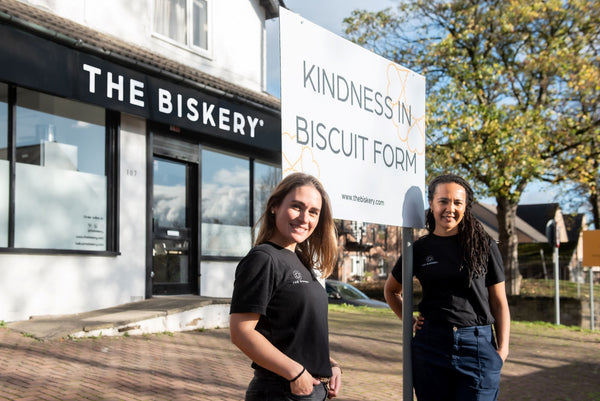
pixel 183 22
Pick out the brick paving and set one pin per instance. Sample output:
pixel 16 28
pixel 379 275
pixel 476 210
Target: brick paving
pixel 546 364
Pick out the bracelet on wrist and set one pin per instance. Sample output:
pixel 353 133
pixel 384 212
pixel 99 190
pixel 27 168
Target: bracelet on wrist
pixel 299 374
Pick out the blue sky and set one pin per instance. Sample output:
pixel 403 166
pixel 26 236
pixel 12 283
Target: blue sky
pixel 329 14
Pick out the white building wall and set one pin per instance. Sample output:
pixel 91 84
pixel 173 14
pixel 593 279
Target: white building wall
pixel 237 28
pixel 37 285
pixel 216 279
pixel 131 263
pixel 54 285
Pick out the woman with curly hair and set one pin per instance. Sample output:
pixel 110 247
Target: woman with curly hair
pixel 462 332
pixel 279 307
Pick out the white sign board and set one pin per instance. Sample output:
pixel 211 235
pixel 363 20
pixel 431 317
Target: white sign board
pixel 354 120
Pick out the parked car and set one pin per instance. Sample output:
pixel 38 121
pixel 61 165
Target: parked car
pixel 343 293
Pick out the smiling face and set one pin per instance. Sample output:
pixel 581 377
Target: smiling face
pixel 297 216
pixel 448 207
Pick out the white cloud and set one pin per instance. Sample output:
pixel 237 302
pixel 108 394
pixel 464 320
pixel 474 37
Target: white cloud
pixel 169 205
pixel 236 176
pixel 225 204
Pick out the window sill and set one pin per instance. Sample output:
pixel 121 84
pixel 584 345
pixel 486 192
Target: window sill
pixel 204 53
pixel 51 252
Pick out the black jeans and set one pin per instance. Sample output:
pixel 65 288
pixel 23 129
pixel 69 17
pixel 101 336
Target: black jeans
pixel 265 387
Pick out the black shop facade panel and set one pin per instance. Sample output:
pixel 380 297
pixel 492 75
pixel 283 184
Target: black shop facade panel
pixel 212 158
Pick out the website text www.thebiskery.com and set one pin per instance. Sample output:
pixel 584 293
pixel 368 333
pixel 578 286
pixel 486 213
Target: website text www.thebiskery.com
pixel 363 199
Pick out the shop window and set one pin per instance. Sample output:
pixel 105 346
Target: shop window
pixel 225 204
pixel 60 174
pixel 266 178
pixel 4 166
pixel 183 22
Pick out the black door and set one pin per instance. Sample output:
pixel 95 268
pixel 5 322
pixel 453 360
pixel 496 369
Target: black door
pixel 174 203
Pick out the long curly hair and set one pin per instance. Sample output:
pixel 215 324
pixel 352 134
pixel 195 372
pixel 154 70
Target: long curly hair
pixel 473 240
pixel 319 251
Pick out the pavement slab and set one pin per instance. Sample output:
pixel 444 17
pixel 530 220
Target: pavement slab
pixel 152 315
pixel 545 363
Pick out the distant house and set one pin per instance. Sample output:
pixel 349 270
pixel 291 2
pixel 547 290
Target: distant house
pixel 535 254
pixel 575 224
pixel 486 214
pixel 538 216
pixel 569 229
pixel 367 252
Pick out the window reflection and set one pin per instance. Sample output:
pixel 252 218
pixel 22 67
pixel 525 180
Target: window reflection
pixel 59 133
pixel 266 178
pixel 225 189
pixel 169 196
pixel 3 122
pixel 60 179
pixel 170 254
pixel 200 24
pixel 184 22
pixel 4 166
pixel 225 204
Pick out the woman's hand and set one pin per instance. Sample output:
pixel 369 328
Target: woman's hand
pixel 418 322
pixel 304 385
pixel 501 312
pixel 263 353
pixel 503 352
pixel 335 383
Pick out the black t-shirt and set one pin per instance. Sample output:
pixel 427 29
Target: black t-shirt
pixel 447 296
pixel 292 303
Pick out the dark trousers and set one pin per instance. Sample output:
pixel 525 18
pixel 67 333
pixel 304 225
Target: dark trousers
pixel 451 363
pixel 265 387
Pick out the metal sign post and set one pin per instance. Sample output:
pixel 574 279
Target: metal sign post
pixel 578 277
pixel 553 240
pixel 407 313
pixel 556 287
pixel 591 257
pixel 592 322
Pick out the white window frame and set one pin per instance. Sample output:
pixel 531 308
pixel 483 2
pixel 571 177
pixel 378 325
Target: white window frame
pixel 207 53
pixel 358 265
